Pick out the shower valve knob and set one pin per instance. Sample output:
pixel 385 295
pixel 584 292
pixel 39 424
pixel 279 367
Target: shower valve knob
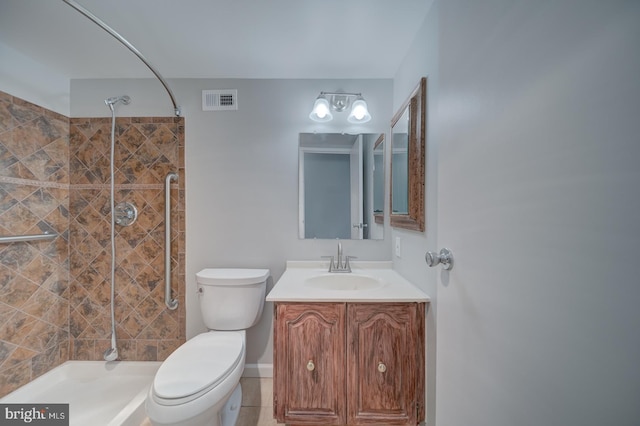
pixel 125 213
pixel 445 257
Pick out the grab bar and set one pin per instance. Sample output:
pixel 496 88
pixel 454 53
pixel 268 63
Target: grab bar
pixel 171 303
pixel 21 238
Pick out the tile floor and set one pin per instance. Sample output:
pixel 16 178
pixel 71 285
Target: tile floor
pixel 257 403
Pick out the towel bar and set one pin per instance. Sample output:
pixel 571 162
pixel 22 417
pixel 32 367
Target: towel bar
pixel 21 238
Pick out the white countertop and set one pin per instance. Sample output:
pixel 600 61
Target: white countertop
pixel 291 286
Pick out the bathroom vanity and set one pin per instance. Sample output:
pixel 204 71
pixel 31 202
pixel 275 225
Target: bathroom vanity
pixel 349 348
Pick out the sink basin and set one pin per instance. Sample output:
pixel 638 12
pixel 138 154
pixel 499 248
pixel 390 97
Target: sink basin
pixel 309 281
pixel 345 282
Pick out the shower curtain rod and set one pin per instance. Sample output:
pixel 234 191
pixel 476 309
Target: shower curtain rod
pixel 107 28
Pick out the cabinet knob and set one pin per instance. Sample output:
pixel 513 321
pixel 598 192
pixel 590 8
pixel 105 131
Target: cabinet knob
pixel 381 367
pixel 311 366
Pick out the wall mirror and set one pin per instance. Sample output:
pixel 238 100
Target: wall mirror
pixel 408 161
pixel 341 186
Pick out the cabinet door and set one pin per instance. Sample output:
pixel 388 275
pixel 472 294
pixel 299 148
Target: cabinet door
pixel 309 361
pixel 385 360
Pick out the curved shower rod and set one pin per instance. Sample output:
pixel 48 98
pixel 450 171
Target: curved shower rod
pixel 125 42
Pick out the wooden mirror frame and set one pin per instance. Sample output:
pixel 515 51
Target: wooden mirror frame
pixel 415 218
pixel 379 217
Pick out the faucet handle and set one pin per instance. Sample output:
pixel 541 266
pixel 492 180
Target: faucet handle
pixel 347 265
pixel 331 263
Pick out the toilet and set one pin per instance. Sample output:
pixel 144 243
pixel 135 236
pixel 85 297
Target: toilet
pixel 199 383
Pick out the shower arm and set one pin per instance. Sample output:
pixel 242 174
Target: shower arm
pixel 107 28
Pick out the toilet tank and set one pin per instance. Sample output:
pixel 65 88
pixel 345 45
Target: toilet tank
pixel 231 299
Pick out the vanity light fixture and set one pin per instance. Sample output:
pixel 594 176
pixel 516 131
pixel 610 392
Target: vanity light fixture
pixel 338 102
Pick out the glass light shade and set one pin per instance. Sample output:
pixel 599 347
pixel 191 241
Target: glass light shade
pixel 321 111
pixel 359 112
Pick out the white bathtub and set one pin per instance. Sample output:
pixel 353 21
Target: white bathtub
pixel 98 393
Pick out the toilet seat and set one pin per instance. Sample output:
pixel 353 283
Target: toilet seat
pixel 198 366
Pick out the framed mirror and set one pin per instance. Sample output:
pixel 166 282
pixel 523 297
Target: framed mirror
pixel 340 186
pixel 378 180
pixel 408 161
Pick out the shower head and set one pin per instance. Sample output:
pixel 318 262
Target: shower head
pixel 110 354
pixel 114 100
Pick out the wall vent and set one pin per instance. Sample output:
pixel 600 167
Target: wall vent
pixel 219 100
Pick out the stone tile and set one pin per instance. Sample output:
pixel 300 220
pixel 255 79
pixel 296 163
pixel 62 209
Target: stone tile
pixel 147 350
pixel 18 219
pixel 15 292
pixel 161 327
pixel 40 337
pixel 149 249
pixel 41 304
pixel 77 324
pixel 167 346
pixel 39 269
pixel 83 349
pixel 45 361
pixel 151 277
pixel 134 325
pixel 28 138
pixel 54 148
pixel 131 292
pixel 12 378
pixel 12 355
pixel 132 264
pixel 35 148
pixel 127 349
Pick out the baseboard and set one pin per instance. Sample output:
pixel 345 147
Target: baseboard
pixel 258 370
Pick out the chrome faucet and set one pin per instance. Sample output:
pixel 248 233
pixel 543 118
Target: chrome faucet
pixel 339 266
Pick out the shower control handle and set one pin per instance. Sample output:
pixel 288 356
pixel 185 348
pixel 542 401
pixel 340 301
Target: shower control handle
pixel 445 257
pixel 125 213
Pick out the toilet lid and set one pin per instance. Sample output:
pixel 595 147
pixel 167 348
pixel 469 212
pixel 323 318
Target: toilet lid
pixel 198 365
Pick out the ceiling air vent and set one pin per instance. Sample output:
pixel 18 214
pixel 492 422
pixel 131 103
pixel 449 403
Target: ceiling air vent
pixel 219 100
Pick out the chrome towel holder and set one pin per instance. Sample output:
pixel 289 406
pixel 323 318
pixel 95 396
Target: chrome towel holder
pixel 23 238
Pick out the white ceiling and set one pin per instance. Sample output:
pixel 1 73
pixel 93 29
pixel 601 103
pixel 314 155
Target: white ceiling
pixel 216 38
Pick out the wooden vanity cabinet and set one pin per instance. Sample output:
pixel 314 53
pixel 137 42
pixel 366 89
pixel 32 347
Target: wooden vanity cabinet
pixel 309 363
pixel 349 363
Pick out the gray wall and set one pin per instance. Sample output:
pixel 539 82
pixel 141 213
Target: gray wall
pixel 533 115
pixel 422 61
pixel 242 173
pixel 26 78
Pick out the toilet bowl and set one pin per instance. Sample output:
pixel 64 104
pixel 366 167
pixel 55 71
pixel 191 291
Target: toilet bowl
pixel 199 383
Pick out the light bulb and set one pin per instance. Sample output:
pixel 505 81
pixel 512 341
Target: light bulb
pixel 321 111
pixel 359 112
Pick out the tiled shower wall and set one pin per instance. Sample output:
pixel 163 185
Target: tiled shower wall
pixel 34 198
pixel 146 150
pixel 54 295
